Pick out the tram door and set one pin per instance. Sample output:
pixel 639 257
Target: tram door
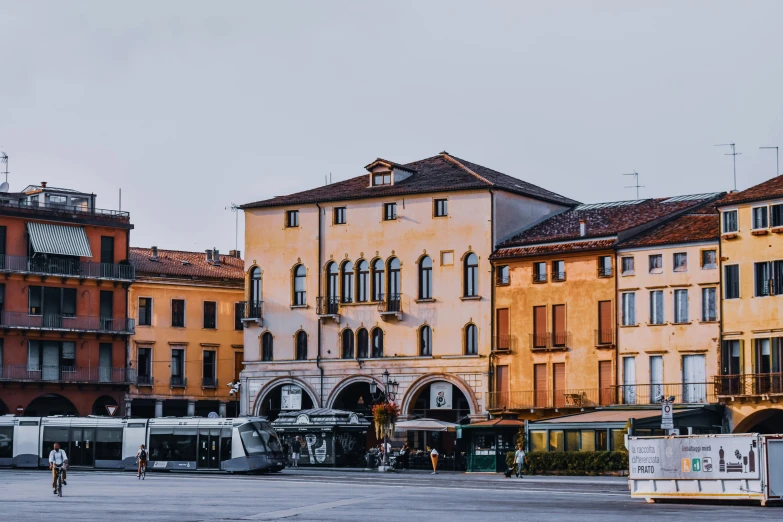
pixel 209 449
pixel 81 450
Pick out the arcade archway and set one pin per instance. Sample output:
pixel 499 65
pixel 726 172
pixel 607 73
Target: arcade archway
pixel 50 404
pixel 100 406
pixel 282 395
pixel 764 421
pixel 3 408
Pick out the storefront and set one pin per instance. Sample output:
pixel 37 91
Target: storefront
pixel 489 441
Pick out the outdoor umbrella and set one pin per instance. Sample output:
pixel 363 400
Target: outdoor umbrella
pixel 424 425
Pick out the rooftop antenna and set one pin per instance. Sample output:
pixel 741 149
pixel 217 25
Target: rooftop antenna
pixel 636 182
pixel 777 160
pixel 4 159
pixel 235 209
pixel 732 153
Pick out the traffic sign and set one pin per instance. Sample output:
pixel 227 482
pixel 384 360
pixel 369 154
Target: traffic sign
pixel 111 409
pixel 667 420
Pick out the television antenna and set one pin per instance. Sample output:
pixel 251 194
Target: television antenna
pixel 4 159
pixel 732 153
pixel 777 159
pixel 235 209
pixel 636 182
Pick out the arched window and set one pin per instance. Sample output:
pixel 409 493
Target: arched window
pixel 347 276
pixel 425 278
pixel 363 284
pixel 394 278
pixel 377 343
pixel 266 347
pixel 332 282
pixel 300 291
pixel 377 280
pixel 425 340
pixel 255 285
pixel 471 275
pixel 363 342
pixel 301 346
pixel 471 340
pixel 347 344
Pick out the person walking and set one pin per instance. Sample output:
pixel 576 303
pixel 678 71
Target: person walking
pixel 295 450
pixel 519 458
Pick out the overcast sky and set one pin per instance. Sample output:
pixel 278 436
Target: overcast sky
pixel 189 106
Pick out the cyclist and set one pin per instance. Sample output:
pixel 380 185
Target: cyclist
pixel 141 458
pixel 57 458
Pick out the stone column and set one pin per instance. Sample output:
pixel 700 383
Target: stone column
pixel 222 410
pixel 128 408
pixel 191 408
pixel 158 408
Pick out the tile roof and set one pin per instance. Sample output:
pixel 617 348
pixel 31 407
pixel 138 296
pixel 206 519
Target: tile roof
pixel 178 263
pixel 702 225
pixel 770 189
pixel 443 172
pixel 602 220
pixel 557 248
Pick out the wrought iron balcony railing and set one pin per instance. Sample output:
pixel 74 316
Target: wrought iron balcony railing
pixel 504 343
pixel 390 304
pixel 67 268
pixel 558 276
pixel 67 323
pixel 749 384
pixel 178 381
pixel 70 210
pixel 252 311
pixel 683 393
pixel 539 277
pixel 144 380
pixel 543 399
pixel 66 374
pixel 209 382
pixel 604 337
pixel 503 280
pixel 550 341
pixel 327 306
pixel 605 271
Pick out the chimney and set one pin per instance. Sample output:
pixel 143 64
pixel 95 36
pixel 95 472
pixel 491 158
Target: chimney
pixel 582 228
pixel 209 255
pixel 154 253
pixel 216 256
pixel 43 184
pixel 235 253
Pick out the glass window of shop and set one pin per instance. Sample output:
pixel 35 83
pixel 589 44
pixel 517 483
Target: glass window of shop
pixel 537 441
pixel 556 440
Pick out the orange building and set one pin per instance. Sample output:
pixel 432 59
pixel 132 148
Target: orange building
pixel 189 343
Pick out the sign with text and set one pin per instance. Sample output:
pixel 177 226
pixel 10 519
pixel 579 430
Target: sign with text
pixel 667 419
pixel 291 397
pixel 440 396
pixel 721 457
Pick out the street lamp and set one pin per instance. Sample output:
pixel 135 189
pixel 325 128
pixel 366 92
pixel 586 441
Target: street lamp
pixel 234 392
pixel 387 395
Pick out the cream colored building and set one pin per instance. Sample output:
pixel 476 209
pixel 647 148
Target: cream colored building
pixel 388 270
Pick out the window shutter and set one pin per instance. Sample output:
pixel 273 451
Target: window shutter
pixel 605 325
pixel 539 384
pixel 503 326
pixel 539 325
pixel 605 381
pixel 558 384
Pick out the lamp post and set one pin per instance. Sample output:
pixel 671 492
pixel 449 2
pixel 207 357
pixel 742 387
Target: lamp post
pixel 387 395
pixel 234 392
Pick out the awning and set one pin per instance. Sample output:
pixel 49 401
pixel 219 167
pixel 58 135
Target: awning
pixel 59 239
pixel 424 425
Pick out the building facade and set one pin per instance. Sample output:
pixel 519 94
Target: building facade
pixel 188 344
pixel 63 310
pixel 387 271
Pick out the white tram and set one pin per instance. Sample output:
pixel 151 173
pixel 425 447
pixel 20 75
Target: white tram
pixel 173 443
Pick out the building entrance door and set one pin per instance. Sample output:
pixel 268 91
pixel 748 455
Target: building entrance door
pixel 208 449
pixel 81 451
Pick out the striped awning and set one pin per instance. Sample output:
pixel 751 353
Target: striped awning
pixel 59 239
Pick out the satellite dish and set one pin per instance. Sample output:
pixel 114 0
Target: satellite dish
pixel 4 186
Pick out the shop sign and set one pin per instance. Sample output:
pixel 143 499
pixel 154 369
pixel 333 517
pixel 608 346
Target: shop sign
pixel 291 397
pixel 440 396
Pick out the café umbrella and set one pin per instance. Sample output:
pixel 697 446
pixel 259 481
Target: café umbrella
pixel 424 424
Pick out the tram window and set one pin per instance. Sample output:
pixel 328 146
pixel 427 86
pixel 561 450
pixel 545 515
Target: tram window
pixel 52 435
pixel 160 443
pixel 173 444
pixel 258 439
pixel 108 444
pixel 225 445
pixel 6 442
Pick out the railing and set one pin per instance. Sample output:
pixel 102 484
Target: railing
pixel 391 304
pixel 67 267
pixel 68 323
pixel 542 399
pixel 749 384
pixel 504 343
pixel 605 272
pixel 558 276
pixel 561 339
pixel 252 309
pixel 327 306
pixel 683 393
pixel 604 337
pixel 178 381
pixel 47 373
pixel 539 278
pixel 56 208
pixel 550 341
pixel 501 280
pixel 144 380
pixel 209 382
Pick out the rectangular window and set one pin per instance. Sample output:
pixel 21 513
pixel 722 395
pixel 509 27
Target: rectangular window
pixel 709 259
pixel 759 217
pixel 777 277
pixel 656 379
pixel 656 307
pixel 776 215
pixel 656 263
pixel 629 308
pixel 605 323
pixel 210 314
pixel 382 178
pixel 694 378
pixel 731 287
pixel 69 302
pixel 605 266
pixel 178 313
pixel 629 380
pixel 730 223
pixel 107 304
pixel 339 215
pixel 559 325
pixel 34 300
pixel 389 211
pixel 107 249
pixel 177 367
pixel 441 207
pixel 144 365
pixel 503 341
pixel 709 305
pixel 145 311
pixel 558 270
pixel 540 386
pixel 680 306
pixel 605 383
pixel 3 233
pixel 539 272
pixel 627 266
pixel 447 257
pixel 730 360
pixel 680 262
pixel 762 279
pixel 239 313
pixel 292 218
pixel 539 327
pixel 209 368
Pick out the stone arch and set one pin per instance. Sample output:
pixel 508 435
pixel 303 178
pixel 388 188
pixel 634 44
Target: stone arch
pixel 342 385
pixel 50 404
pixel 99 406
pixel 274 383
pixel 769 420
pixel 3 408
pixel 416 387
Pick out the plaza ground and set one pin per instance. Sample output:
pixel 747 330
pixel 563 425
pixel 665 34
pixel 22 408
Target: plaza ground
pixel 342 496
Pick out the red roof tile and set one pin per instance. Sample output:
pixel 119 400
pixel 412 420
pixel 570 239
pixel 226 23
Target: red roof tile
pixel 703 225
pixel 558 248
pixel 770 189
pixel 178 263
pixel 440 173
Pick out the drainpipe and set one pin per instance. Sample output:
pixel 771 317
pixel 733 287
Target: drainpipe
pixel 491 373
pixel 318 357
pixel 616 325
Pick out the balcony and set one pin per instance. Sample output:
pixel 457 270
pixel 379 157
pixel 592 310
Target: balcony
pixel 178 381
pixel 67 323
pixel 605 271
pixel 749 384
pixel 209 382
pixel 144 380
pixel 604 338
pixel 683 393
pixel 558 277
pixel 548 399
pixel 539 277
pixel 550 341
pixel 504 343
pixel 56 209
pixel 252 311
pixel 67 268
pixel 390 306
pixel 502 280
pixel 66 374
pixel 328 308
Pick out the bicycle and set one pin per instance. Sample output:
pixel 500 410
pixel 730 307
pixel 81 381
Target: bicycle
pixel 59 480
pixel 143 473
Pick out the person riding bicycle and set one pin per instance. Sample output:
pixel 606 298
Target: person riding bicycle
pixel 57 459
pixel 141 458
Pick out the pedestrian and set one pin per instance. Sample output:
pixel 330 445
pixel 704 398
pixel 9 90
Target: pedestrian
pixel 519 458
pixel 434 458
pixel 295 450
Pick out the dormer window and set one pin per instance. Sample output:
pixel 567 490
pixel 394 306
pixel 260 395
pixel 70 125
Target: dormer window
pixel 381 178
pixel 384 172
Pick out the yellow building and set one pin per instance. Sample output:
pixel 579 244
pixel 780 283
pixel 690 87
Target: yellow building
pixel 188 343
pixel 751 382
pixel 556 305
